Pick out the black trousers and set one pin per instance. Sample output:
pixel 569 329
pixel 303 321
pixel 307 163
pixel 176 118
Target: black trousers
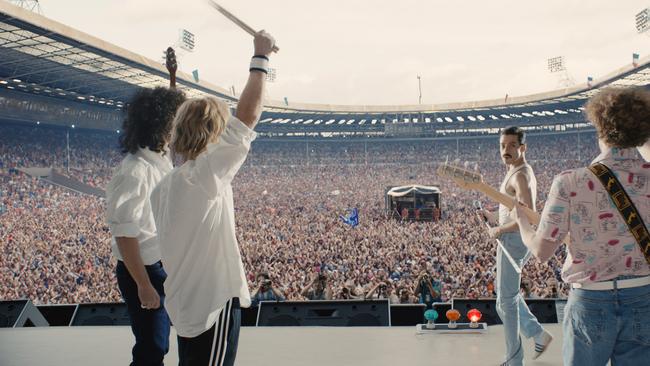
pixel 150 326
pixel 216 346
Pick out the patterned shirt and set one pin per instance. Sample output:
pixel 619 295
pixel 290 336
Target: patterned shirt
pixel 601 246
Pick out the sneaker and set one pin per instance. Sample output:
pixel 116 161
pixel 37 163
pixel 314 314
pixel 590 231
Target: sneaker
pixel 541 343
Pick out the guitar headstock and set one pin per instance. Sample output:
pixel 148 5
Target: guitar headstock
pixel 170 60
pixel 464 177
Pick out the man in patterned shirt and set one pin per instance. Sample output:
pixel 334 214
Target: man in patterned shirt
pixel 606 317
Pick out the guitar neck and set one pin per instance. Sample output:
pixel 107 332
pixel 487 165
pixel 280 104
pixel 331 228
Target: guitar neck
pixel 507 201
pixel 172 80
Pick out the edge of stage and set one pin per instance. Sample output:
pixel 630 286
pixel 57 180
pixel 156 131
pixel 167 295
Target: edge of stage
pixel 358 346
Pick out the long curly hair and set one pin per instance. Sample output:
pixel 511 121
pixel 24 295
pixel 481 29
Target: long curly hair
pixel 621 116
pixel 148 121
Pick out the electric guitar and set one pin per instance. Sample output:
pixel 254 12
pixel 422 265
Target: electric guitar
pixel 468 179
pixel 172 66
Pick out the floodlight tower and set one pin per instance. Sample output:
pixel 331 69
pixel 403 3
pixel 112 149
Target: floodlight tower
pixel 556 66
pixel 642 20
pixel 31 5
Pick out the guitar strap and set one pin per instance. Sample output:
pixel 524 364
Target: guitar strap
pixel 625 207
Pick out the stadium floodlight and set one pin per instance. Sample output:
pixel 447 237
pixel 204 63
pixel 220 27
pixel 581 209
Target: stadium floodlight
pixel 271 75
pixel 31 5
pixel 186 40
pixel 556 64
pixel 643 20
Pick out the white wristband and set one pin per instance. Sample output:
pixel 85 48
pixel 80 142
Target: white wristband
pixel 259 63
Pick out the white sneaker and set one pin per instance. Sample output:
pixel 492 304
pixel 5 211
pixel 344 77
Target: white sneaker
pixel 541 343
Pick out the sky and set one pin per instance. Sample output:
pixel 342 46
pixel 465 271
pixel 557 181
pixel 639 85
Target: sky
pixel 370 52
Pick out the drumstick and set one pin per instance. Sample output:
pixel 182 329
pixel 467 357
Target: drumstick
pixel 236 20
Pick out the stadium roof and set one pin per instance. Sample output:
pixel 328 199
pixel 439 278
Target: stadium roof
pixel 43 57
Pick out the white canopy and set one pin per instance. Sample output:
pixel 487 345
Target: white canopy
pixel 404 190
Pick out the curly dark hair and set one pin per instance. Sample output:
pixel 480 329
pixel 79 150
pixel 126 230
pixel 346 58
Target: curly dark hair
pixel 621 116
pixel 148 121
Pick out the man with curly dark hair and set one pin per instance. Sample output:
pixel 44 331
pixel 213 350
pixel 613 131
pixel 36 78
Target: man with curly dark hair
pixel 140 274
pixel 604 208
pixel 148 119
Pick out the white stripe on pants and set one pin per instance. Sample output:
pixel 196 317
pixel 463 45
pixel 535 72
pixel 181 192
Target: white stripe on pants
pixel 221 333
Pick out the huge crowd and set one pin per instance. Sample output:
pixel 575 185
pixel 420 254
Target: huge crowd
pixel 55 245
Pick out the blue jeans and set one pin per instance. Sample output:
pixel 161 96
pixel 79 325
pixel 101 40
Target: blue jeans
pixel 150 327
pixel 512 308
pixel 607 325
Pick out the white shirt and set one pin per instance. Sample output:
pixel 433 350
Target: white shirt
pixel 128 211
pixel 194 212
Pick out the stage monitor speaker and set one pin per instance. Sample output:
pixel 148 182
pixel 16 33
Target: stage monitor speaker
pixel 249 316
pixel 487 307
pixel 20 313
pixel 342 313
pixel 101 314
pixel 441 308
pixel 545 310
pixel 406 314
pixel 58 315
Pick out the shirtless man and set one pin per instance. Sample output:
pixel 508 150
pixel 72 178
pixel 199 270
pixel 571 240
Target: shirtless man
pixel 519 183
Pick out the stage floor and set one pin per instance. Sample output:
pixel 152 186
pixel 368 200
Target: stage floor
pixel 299 346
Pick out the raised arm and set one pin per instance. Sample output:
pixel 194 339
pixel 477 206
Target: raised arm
pixel 372 291
pixel 305 290
pixel 250 103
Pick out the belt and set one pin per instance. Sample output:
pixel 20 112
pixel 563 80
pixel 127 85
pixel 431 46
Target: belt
pixel 609 285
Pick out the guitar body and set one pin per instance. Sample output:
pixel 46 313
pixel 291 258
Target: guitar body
pixel 467 179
